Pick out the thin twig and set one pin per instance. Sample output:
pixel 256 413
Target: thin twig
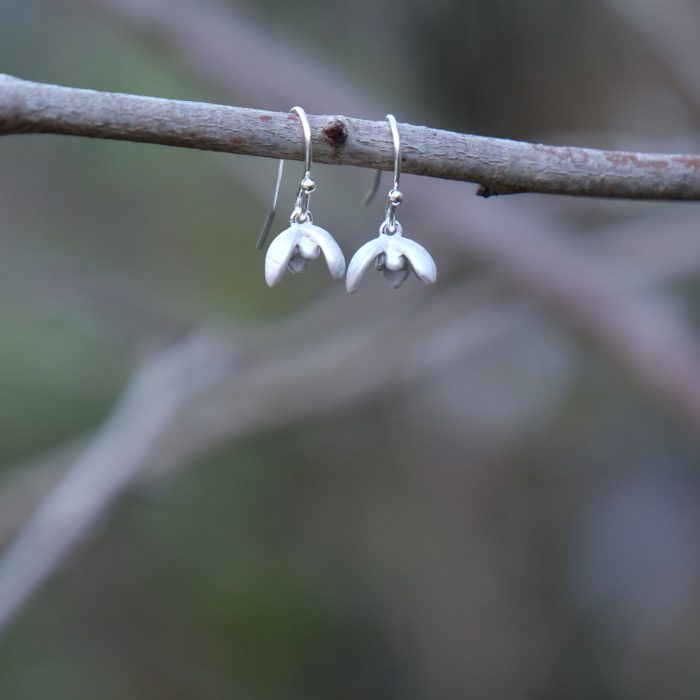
pixel 500 166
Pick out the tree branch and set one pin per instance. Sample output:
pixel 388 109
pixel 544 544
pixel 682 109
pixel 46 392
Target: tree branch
pixel 500 166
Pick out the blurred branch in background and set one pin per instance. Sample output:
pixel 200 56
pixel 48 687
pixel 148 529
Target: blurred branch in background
pixel 210 388
pixel 498 165
pixel 107 466
pixel 671 28
pixel 212 38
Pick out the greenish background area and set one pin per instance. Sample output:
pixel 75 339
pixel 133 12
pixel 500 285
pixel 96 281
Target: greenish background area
pixel 521 523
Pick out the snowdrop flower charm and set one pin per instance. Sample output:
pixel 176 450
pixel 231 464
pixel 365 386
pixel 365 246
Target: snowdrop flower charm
pixel 298 245
pixel 302 242
pixel 391 253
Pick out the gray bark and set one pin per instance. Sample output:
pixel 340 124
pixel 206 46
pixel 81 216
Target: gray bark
pixel 500 166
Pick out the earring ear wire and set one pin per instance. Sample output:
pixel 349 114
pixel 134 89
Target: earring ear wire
pixel 302 242
pixel 396 257
pixel 273 208
pixel 373 189
pixel 278 179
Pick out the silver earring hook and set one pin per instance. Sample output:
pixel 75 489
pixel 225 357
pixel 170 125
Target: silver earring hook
pixel 373 189
pixel 395 195
pixel 397 148
pixel 301 211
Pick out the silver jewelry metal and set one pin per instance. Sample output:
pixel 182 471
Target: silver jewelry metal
pixel 392 254
pixel 303 241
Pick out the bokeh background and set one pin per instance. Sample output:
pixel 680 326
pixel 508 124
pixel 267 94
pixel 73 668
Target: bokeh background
pixel 444 492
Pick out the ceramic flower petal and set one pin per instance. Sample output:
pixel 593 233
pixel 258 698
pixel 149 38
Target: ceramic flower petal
pixel 296 246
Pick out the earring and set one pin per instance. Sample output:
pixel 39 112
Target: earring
pixel 303 241
pixel 392 254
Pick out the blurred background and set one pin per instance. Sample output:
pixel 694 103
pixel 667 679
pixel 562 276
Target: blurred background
pixel 465 490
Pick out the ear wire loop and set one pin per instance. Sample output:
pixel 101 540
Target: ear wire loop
pixel 301 207
pixel 394 197
pixel 390 221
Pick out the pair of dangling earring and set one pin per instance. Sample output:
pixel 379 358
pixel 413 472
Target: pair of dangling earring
pixel 303 241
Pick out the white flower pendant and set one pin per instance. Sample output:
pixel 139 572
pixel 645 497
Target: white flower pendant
pixel 298 245
pixel 393 255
